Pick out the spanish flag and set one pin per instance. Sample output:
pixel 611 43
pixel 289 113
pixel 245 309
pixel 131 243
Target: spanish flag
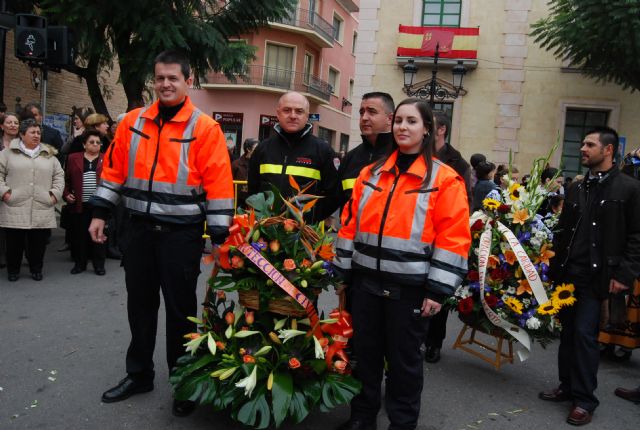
pixel 454 42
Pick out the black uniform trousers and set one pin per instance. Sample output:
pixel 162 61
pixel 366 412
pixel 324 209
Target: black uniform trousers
pixel 437 329
pixel 33 241
pixel 160 257
pixel 579 352
pixel 392 329
pixel 82 247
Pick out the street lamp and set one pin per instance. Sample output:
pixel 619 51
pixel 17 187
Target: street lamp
pixel 432 89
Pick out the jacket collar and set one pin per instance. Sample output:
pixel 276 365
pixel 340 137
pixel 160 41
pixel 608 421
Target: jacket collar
pixel 382 140
pixel 183 114
pixel 418 168
pixel 306 130
pixel 47 149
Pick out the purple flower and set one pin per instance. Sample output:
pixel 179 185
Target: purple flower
pixel 259 246
pixel 524 236
pixel 544 268
pixel 544 277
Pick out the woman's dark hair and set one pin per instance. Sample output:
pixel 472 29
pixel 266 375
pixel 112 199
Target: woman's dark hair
pixel 483 169
pixel 476 158
pixel 27 124
pixel 82 113
pixel 426 148
pixel 84 137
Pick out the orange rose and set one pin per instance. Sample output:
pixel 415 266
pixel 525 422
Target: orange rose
pixel 274 246
pixel 306 263
pixel 248 317
pixel 248 359
pixel 230 318
pixel 294 363
pixel 192 336
pixel 220 345
pixel 289 264
pixel 289 225
pixel 340 366
pixel 237 262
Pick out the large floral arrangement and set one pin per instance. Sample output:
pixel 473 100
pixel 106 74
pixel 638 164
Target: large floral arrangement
pixel 508 265
pixel 263 367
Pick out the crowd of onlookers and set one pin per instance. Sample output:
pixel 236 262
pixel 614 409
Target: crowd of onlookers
pixel 40 173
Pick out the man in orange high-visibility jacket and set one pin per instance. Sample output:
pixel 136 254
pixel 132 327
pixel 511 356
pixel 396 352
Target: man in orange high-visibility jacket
pixel 170 167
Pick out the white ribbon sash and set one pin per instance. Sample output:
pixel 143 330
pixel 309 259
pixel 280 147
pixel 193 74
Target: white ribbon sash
pixel 484 251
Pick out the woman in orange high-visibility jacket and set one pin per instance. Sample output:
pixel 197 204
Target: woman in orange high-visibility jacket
pixel 402 251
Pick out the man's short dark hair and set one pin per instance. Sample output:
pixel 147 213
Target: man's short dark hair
pixel 607 135
pixel 26 113
pixel 174 57
pixel 88 133
pixel 548 173
pixel 442 120
pixel 477 159
pixel 387 100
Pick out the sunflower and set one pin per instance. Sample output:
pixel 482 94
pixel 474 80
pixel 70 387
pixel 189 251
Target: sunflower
pixel 514 192
pixel 491 204
pixel 514 304
pixel 563 295
pixel 548 308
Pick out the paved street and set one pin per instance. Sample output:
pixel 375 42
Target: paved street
pixel 63 341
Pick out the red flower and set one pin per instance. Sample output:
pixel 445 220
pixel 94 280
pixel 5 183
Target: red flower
pixel 220 345
pixel 294 363
pixel 491 300
pixel 306 263
pixel 248 317
pixel 237 262
pixel 248 359
pixel 505 209
pixel 473 275
pixel 465 306
pixel 289 225
pixel 229 318
pixel 499 274
pixel 477 226
pixel 340 366
pixel 289 264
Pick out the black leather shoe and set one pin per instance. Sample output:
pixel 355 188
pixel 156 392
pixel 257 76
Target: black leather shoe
pixel 357 424
pixel 100 271
pixel 36 276
pixel 77 269
pixel 125 389
pixel 555 395
pixel 182 408
pixel 13 277
pixel 432 354
pixel 631 395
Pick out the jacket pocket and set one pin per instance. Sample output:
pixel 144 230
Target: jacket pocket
pixel 42 199
pixel 17 197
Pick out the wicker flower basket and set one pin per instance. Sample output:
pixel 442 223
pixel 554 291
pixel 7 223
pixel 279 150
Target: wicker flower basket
pixel 283 306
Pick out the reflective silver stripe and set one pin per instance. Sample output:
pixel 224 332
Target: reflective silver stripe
pixel 107 194
pixel 135 142
pixel 445 277
pixel 342 262
pixel 164 187
pixel 403 268
pixel 219 204
pixel 450 258
pixel 344 244
pixel 218 220
pixel 162 209
pixel 422 205
pixel 366 194
pixel 187 134
pixel 404 245
pixel 110 184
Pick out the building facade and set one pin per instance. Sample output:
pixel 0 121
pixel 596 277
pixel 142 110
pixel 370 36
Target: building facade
pixel 517 97
pixel 311 52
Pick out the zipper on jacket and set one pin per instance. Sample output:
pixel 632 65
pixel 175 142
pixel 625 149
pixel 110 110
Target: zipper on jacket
pixel 283 174
pixel 153 168
pixel 384 218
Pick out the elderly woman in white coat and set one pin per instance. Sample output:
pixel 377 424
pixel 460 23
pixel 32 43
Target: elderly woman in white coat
pixel 31 183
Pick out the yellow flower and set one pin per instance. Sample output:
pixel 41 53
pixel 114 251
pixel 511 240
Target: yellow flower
pixel 521 216
pixel 491 204
pixel 514 304
pixel 513 191
pixel 548 308
pixel 563 295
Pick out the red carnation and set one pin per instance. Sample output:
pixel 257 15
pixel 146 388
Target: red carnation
pixel 491 300
pixel 473 275
pixel 477 226
pixel 505 209
pixel 465 306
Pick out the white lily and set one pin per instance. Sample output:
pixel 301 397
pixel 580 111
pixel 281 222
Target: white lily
pixel 211 344
pixel 249 383
pixel 286 335
pixel 318 348
pixel 193 345
pixel 278 324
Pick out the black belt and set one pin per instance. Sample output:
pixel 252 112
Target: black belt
pixel 154 225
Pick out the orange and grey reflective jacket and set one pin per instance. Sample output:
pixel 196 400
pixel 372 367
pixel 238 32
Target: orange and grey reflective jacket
pixel 399 230
pixel 173 172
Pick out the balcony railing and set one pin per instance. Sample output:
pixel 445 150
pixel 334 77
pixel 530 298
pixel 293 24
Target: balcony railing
pixel 310 20
pixel 275 77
